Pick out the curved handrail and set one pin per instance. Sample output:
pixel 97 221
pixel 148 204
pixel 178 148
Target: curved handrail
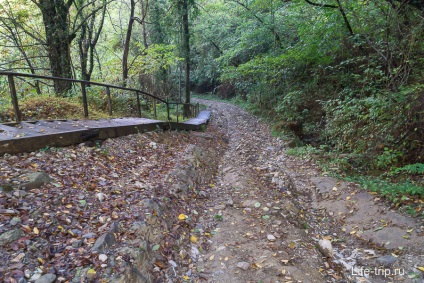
pixel 80 81
pixel 13 93
pixel 194 109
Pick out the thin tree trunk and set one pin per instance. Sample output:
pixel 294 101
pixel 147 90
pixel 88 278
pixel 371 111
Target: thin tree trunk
pixel 186 50
pixel 127 45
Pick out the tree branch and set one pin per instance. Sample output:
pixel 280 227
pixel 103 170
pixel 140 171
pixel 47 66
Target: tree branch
pixel 322 5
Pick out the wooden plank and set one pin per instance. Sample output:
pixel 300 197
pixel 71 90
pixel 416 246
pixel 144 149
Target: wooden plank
pixel 34 135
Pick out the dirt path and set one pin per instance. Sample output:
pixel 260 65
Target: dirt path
pixel 272 210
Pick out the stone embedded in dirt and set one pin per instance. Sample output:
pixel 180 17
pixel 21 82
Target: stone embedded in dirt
pixel 326 248
pixel 249 203
pixel 89 236
pixel 230 202
pixel 34 180
pixel 101 197
pixel 152 206
pixel 271 238
pixel 102 257
pixel 6 188
pixel 203 194
pixel 15 221
pixel 103 241
pixel 10 236
pixel 46 278
pixel 219 207
pixel 386 260
pixel 243 265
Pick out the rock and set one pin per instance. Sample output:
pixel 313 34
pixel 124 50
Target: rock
pixel 243 265
pixel 103 241
pixel 77 244
pixel 15 221
pixel 10 236
pixel 89 236
pixel 35 277
pixel 219 207
pixel 386 260
pixel 101 197
pixel 203 194
pixel 172 263
pixel 102 257
pixel 152 206
pixel 271 238
pixel 230 202
pixel 248 203
pixel 35 180
pixel 326 248
pixel 6 188
pixel 46 278
pixel 194 252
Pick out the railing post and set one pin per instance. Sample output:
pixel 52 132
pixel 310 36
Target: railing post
pixel 14 98
pixel 138 105
pixel 84 99
pixel 109 100
pixel 154 109
pixel 167 109
pixel 177 113
pixel 198 109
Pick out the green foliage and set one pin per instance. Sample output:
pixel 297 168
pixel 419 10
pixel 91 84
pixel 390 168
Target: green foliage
pixel 156 58
pixel 413 169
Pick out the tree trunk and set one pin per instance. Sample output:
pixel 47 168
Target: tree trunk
pixel 186 50
pixel 127 45
pixel 55 18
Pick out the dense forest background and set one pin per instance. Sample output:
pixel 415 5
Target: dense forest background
pixel 344 76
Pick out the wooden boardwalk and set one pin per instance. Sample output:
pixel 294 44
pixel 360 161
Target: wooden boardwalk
pixel 33 135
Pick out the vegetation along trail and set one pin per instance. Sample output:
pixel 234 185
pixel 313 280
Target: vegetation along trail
pixel 281 220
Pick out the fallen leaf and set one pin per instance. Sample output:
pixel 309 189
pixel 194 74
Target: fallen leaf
pixel 36 231
pixel 193 239
pixel 182 217
pixel 156 247
pixel 211 257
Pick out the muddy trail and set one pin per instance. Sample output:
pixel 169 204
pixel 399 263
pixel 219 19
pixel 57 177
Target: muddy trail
pixel 279 219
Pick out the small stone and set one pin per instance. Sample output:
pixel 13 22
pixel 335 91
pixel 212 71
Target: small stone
pixel 243 265
pixel 15 221
pixel 103 241
pixel 230 202
pixel 172 263
pixel 326 248
pixel 271 238
pixel 248 203
pixel 89 236
pixel 6 188
pixel 203 194
pixel 102 257
pixel 10 236
pixel 77 244
pixel 101 197
pixel 219 207
pixel 35 277
pixel 386 260
pixel 46 278
pixel 35 180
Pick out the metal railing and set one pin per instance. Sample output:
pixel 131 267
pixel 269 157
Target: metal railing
pixel 194 109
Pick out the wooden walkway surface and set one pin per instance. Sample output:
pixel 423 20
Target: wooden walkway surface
pixel 33 135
